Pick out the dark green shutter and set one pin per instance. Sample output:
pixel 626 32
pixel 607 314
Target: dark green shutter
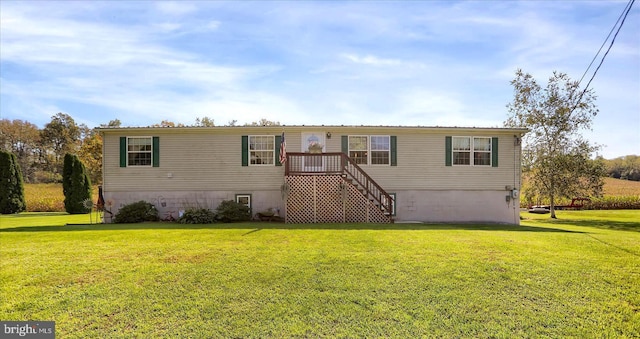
pixel 245 150
pixel 494 152
pixel 123 151
pixel 345 144
pixel 394 151
pixel 278 142
pixel 156 152
pixel 447 150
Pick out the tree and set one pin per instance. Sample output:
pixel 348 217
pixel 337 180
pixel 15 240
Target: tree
pixel 21 138
pixel 90 153
pixel 558 160
pixel 67 171
pixel 112 123
pixel 61 136
pixel 12 188
pixel 264 122
pixel 167 123
pixel 76 185
pixel 204 122
pixel 626 167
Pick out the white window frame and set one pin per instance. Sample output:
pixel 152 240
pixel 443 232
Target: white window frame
pixel 150 152
pixel 248 196
pixel 490 151
pixel 471 151
pixel 371 150
pixel 368 151
pixel 252 152
pixel 393 204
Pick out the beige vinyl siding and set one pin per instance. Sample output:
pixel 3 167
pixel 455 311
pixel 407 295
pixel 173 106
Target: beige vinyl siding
pixel 193 161
pixel 209 159
pixel 421 161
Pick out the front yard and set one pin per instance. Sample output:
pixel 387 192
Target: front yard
pixel 575 277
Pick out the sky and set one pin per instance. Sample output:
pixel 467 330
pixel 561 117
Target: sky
pixel 392 63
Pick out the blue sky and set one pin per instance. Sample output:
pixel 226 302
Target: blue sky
pixel 421 63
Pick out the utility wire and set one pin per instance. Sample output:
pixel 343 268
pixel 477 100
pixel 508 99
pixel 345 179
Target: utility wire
pixel 625 12
pixel 605 41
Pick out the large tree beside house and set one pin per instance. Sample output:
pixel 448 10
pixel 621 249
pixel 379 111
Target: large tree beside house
pixel 558 160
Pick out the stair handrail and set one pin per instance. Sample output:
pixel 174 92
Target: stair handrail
pixel 371 187
pixel 351 170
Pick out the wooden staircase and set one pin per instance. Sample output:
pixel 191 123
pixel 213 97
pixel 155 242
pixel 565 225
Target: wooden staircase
pixel 330 187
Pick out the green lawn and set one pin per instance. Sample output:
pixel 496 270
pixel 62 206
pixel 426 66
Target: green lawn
pixel 578 276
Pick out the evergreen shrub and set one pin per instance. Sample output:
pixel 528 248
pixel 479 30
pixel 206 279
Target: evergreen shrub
pixel 231 211
pixel 76 186
pixel 136 212
pixel 198 216
pixel 12 187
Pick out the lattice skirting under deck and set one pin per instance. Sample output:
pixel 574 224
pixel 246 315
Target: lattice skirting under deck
pixel 328 199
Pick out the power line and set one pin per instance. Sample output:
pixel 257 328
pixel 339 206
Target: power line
pixel 605 40
pixel 624 14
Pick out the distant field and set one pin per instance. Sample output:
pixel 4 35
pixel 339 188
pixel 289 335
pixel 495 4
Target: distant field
pixel 47 197
pixel 618 187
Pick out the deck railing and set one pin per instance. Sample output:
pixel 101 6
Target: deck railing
pixel 338 163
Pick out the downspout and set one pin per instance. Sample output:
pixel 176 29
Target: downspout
pixel 101 191
pixel 517 177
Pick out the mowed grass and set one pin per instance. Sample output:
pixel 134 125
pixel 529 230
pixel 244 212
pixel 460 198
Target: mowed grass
pixel 572 277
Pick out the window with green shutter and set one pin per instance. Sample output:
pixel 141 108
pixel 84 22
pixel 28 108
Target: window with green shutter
pixel 371 149
pixel 260 150
pixel 471 151
pixel 139 151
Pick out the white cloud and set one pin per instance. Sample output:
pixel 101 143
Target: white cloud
pixel 371 60
pixel 175 8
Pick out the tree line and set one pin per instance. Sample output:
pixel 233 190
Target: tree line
pixel 40 152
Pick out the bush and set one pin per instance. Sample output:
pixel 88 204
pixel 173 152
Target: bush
pixel 76 186
pixel 231 211
pixel 197 216
pixel 12 188
pixel 136 212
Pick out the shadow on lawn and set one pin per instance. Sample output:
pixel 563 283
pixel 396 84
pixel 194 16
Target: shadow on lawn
pixel 257 226
pixel 608 224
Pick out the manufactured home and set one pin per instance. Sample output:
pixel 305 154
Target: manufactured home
pixel 319 174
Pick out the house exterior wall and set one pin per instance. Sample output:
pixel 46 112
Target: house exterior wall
pixel 202 166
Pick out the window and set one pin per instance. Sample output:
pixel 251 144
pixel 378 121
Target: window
pixel 380 150
pixel 461 150
pixel 358 146
pixel 139 151
pixel 393 204
pixel 262 149
pixel 375 149
pixel 482 151
pixel 467 148
pixel 244 199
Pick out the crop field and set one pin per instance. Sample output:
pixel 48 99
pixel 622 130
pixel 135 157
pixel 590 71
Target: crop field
pixel 47 197
pixel 618 187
